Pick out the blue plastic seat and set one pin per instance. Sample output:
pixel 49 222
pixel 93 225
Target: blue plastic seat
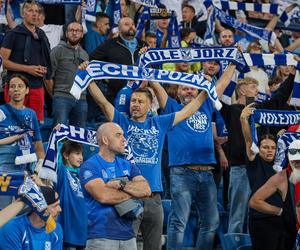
pixel 245 247
pixel 235 240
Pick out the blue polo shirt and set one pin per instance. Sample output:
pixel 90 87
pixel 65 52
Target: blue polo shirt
pixel 103 219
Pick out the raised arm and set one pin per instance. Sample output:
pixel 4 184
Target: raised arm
pixel 244 118
pixel 107 108
pixel 225 79
pixel 190 108
pixel 10 21
pixel 258 200
pixel 7 213
pixel 293 45
pixel 160 93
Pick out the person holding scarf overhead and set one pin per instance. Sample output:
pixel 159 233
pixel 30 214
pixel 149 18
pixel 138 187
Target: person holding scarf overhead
pixel 267 231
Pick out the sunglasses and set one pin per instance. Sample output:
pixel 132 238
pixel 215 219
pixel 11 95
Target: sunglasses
pixel 293 151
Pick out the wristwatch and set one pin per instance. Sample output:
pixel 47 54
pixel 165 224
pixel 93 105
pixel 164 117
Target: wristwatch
pixel 122 184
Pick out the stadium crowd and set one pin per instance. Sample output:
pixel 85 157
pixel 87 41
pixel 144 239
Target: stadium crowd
pixel 143 164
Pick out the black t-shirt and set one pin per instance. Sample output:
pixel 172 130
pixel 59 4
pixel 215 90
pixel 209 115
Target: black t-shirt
pixel 16 43
pixel 237 148
pixel 259 171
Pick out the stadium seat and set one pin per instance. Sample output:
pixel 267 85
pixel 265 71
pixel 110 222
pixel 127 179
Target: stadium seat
pixel 233 241
pixel 245 247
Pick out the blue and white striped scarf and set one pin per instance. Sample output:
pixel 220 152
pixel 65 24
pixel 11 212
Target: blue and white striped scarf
pixel 149 3
pixel 174 40
pixel 113 10
pixel 25 149
pixel 271 118
pixel 262 60
pixel 234 23
pixel 91 8
pixel 275 9
pixel 159 56
pixel 80 135
pixel 143 18
pixel 283 143
pixel 98 70
pixel 60 1
pixel 224 55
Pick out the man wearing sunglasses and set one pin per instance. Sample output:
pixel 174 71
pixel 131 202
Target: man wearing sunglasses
pixel 279 183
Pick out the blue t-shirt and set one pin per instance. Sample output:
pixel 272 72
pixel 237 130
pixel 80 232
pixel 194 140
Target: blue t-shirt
pixel 146 141
pixel 19 233
pixel 191 141
pixel 92 38
pixel 122 101
pixel 103 219
pixel 220 124
pixel 74 214
pixel 26 116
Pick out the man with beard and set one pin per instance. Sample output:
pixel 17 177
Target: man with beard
pixel 191 155
pixel 65 59
pixel 281 234
pixel 123 49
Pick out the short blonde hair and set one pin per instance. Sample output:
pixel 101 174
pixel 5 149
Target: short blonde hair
pixel 245 81
pixel 28 4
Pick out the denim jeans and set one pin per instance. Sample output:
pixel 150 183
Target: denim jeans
pixel 106 244
pixel 65 109
pixel 238 194
pixel 187 186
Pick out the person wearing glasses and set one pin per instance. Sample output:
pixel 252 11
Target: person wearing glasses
pixel 272 223
pixel 65 59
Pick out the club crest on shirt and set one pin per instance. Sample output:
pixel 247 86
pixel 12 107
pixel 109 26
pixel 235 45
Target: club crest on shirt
pixel 47 245
pixel 144 144
pixel 87 174
pixel 198 122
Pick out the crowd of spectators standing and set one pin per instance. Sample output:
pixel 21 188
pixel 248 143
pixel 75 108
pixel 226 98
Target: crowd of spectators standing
pixel 184 150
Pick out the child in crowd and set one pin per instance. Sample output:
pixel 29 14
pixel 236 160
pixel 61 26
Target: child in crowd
pixel 73 218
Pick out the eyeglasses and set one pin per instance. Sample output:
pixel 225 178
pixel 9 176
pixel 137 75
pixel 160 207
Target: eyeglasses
pixel 76 31
pixel 293 151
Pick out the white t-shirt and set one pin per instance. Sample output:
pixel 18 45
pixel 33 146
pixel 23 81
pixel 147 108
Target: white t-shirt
pixel 53 33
